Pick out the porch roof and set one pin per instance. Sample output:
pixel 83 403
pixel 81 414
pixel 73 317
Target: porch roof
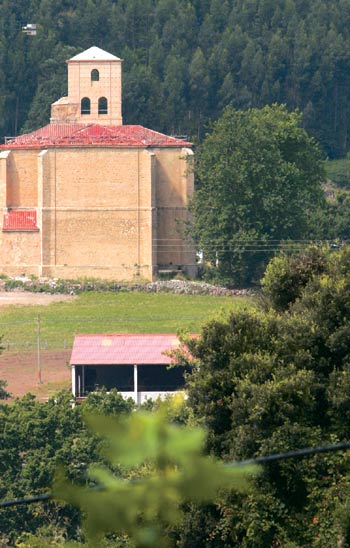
pixel 121 349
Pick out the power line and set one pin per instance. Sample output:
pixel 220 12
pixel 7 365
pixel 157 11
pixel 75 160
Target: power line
pixel 26 500
pixel 258 460
pixel 297 454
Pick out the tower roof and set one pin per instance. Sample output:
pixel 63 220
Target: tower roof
pixel 94 54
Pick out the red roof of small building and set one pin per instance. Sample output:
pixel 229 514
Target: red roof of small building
pixel 19 220
pixel 94 135
pixel 123 349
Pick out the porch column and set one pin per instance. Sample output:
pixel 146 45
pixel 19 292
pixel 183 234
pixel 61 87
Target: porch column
pixel 74 388
pixel 83 380
pixel 135 384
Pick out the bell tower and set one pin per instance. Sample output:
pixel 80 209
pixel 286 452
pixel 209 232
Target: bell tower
pixel 94 90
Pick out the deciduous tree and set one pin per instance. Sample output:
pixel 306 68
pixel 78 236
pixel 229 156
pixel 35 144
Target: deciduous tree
pixel 258 178
pixel 266 382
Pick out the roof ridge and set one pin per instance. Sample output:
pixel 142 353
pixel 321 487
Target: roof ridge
pixel 126 335
pixel 94 53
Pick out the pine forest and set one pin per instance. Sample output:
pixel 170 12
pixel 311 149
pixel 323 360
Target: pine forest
pixel 185 61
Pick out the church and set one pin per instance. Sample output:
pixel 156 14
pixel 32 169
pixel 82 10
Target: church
pixel 86 196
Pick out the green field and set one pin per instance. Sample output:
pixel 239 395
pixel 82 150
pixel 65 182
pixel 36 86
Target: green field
pixel 338 171
pixel 110 313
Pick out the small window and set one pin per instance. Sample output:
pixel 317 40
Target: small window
pixel 85 105
pixel 102 105
pixel 95 75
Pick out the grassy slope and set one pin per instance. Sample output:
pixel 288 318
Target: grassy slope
pixel 111 313
pixel 338 171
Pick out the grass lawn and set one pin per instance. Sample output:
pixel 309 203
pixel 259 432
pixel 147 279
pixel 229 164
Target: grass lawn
pixel 338 171
pixel 110 313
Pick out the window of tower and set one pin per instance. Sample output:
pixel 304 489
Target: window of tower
pixel 85 105
pixel 95 75
pixel 102 105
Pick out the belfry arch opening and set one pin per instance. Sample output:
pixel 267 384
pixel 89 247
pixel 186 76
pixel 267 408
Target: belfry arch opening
pixel 95 75
pixel 85 106
pixel 102 105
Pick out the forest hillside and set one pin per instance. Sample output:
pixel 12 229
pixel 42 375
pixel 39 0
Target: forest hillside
pixel 184 60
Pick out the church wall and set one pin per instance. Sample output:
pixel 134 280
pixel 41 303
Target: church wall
pixel 20 253
pixel 19 250
pixel 4 160
pixel 175 184
pixel 97 213
pixel 112 213
pixel 21 179
pixel 93 177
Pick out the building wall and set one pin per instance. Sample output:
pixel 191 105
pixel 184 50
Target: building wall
pixel 81 85
pixel 4 161
pixel 19 251
pixel 174 186
pixel 97 212
pixel 107 212
pixel 21 172
pixel 112 213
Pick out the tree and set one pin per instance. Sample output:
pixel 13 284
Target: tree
pixel 165 468
pixel 199 87
pixel 264 382
pixel 35 438
pixel 258 178
pixel 52 84
pixel 3 392
pixel 287 275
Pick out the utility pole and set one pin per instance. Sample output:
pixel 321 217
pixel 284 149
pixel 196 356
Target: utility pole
pixel 39 353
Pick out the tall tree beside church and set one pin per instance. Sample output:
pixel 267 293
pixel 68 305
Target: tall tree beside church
pixel 258 179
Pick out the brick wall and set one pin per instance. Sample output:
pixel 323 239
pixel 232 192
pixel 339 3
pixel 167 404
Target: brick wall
pixel 21 179
pixel 174 186
pixel 109 85
pixel 102 212
pixel 97 212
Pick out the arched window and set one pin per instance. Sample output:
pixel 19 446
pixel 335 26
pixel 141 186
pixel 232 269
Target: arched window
pixel 85 105
pixel 102 105
pixel 95 75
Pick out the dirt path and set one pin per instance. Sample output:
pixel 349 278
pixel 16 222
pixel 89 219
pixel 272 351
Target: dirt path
pixel 25 297
pixel 20 370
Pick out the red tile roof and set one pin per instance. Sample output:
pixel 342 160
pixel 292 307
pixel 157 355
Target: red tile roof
pixel 17 220
pixel 123 349
pixel 78 135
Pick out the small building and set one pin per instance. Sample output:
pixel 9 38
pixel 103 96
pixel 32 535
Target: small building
pixel 137 365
